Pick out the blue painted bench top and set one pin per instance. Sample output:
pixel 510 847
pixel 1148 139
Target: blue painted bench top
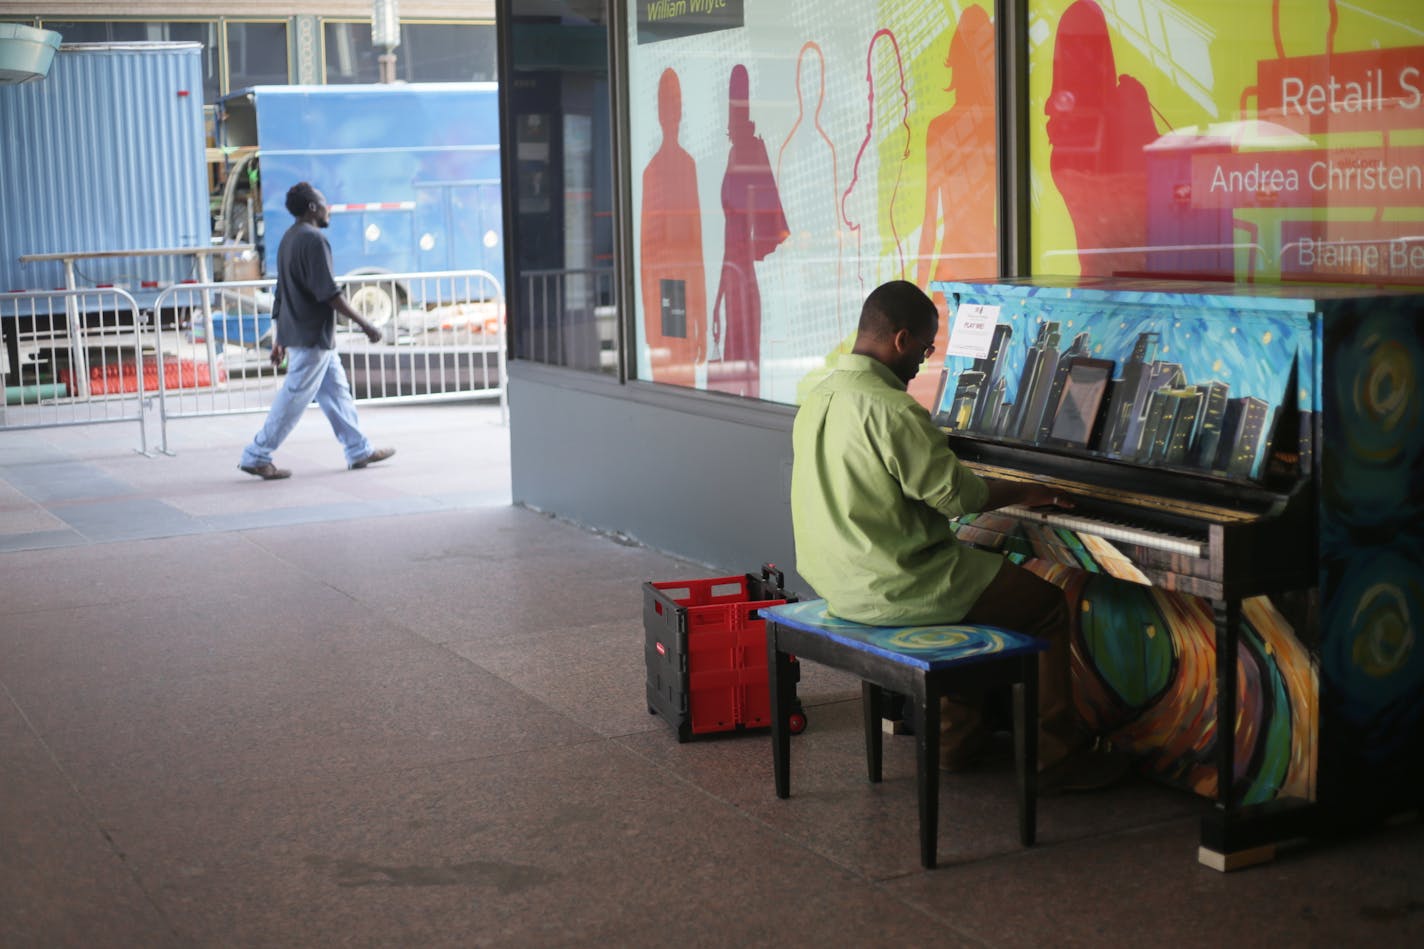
pixel 924 647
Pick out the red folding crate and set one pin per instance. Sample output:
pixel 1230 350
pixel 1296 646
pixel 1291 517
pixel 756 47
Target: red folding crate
pixel 705 647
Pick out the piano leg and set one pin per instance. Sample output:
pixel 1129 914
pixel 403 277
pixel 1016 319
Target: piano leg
pixel 1224 846
pixel 1226 615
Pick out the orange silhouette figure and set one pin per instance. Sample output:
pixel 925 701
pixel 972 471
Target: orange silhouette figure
pixel 959 237
pixel 755 226
pixel 674 282
pixel 1098 127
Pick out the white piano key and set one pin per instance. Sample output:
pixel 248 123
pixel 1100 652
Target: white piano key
pixel 1170 543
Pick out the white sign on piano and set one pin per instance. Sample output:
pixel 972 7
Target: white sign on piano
pixel 973 330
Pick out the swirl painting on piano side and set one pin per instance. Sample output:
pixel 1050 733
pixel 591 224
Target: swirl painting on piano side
pixel 1145 668
pixel 1372 553
pixel 1144 661
pixel 1199 380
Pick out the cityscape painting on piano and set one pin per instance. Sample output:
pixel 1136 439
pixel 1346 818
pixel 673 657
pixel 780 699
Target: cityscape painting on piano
pixel 1198 381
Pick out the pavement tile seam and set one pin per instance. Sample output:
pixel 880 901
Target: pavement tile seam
pixel 777 830
pixel 904 786
pixel 264 862
pixel 87 807
pixel 339 775
pixel 42 540
pixel 240 523
pixel 791 840
pixel 325 780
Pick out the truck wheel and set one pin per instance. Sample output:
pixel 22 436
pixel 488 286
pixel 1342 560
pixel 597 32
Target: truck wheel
pixel 378 303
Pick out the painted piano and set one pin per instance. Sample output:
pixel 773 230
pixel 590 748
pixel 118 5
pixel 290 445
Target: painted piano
pixel 1247 542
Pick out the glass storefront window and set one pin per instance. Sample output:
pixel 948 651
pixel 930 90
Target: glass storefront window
pixel 429 52
pixel 121 31
pixel 448 52
pixel 349 55
pixel 1258 141
pixel 563 308
pixel 789 158
pixel 256 54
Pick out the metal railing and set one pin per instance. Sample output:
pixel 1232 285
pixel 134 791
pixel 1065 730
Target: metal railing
pixel 444 337
pixel 443 340
pixel 569 318
pixel 74 357
pixel 204 349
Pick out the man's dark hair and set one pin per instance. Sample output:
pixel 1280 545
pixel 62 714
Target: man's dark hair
pixel 895 306
pixel 300 197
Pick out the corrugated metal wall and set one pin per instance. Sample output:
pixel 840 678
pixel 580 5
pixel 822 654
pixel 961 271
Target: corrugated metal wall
pixel 107 153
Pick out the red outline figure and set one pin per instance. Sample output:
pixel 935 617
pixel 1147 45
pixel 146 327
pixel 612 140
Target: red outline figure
pixel 888 212
pixel 819 231
pixel 802 289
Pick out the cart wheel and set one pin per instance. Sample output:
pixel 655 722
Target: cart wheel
pixel 797 722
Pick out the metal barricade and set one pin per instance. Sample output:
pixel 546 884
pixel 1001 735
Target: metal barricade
pixel 74 357
pixel 216 339
pixel 443 339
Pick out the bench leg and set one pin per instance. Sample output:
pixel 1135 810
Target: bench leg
pixel 781 687
pixel 927 771
pixel 872 702
pixel 1026 749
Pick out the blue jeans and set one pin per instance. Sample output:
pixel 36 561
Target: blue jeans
pixel 311 373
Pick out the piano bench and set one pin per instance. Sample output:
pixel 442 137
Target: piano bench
pixel 921 663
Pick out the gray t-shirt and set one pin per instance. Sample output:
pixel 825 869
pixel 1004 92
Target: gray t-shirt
pixel 301 303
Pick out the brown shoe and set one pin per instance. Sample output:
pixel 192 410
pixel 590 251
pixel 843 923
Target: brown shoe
pixel 965 754
pixel 1091 769
pixel 266 471
pixel 380 454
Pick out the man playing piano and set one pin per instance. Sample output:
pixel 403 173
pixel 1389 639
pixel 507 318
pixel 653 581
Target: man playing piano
pixel 873 486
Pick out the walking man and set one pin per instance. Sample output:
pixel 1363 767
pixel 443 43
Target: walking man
pixel 304 307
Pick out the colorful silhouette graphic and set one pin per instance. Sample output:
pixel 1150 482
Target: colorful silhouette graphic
pixel 1099 125
pixel 674 282
pixel 755 226
pixel 804 281
pixel 868 204
pixel 959 238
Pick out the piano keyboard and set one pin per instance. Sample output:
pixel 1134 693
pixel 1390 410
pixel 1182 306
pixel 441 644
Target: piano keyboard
pixel 1124 533
pixel 1178 507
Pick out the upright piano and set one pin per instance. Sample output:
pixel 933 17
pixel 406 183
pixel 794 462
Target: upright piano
pixel 1246 542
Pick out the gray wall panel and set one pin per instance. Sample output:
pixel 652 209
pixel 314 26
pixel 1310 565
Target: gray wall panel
pixel 700 476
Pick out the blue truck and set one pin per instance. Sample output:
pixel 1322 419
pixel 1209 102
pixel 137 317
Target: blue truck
pixel 411 172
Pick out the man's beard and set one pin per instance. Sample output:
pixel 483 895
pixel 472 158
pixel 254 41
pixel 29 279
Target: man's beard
pixel 908 369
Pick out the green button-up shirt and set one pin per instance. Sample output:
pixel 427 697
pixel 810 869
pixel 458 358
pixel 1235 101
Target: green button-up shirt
pixel 873 486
